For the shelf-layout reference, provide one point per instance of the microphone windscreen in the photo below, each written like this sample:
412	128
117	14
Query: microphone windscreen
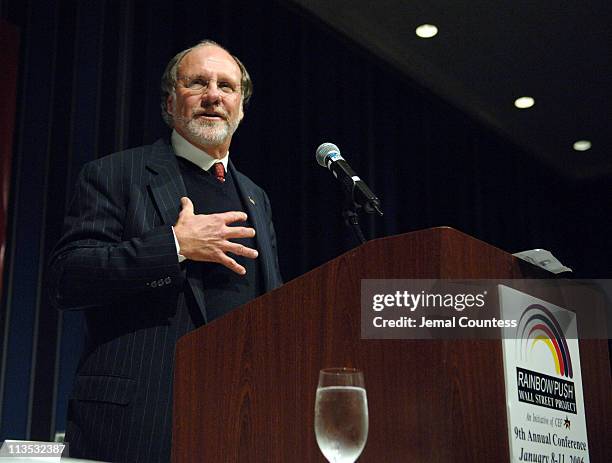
324	150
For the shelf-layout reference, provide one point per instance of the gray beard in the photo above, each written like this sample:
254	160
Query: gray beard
208	133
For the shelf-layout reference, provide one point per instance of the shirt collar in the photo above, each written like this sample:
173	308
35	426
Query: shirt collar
200	158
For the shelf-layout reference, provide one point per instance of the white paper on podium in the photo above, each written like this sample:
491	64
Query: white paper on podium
543	259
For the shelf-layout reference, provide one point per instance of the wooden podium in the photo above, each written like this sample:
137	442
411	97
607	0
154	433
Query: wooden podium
245	384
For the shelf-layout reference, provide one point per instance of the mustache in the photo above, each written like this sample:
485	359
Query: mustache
208	112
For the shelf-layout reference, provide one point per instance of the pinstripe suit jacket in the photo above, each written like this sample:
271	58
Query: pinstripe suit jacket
117	261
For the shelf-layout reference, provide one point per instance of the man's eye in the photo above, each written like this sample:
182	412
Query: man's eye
226	87
196	84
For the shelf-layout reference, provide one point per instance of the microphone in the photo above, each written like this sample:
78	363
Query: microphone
328	155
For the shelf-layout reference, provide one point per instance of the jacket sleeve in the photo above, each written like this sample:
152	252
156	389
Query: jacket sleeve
93	264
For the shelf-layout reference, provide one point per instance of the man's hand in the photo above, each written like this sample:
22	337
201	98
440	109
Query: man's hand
204	237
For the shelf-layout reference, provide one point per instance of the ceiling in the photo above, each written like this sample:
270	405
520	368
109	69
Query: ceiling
490	52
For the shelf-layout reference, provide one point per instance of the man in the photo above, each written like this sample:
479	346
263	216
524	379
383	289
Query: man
159	240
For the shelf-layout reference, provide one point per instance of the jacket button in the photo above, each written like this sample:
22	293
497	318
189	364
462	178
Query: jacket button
168	280
160	282
154	284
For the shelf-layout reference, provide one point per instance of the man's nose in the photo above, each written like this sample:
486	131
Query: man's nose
211	93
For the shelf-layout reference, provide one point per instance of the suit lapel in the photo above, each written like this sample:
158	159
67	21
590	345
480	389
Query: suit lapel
255	211
167	188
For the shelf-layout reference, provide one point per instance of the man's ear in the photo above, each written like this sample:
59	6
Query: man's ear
241	114
170	104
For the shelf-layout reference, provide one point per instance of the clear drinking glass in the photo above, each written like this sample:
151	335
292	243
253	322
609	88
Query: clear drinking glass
341	414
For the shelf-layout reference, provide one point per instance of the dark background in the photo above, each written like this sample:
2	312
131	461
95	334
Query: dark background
89	85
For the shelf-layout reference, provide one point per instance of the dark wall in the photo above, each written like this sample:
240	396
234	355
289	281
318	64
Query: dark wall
90	86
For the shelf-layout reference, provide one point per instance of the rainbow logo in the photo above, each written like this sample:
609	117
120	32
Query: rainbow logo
538	324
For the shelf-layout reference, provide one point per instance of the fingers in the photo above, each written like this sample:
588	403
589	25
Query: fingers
232	216
236	232
226	217
241	250
232	265
239	232
186	205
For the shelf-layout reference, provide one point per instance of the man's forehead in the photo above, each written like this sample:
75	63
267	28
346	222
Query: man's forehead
208	58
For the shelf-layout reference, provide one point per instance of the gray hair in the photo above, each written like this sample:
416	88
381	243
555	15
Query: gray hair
170	76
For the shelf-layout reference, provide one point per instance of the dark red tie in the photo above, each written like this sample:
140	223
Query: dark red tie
219	171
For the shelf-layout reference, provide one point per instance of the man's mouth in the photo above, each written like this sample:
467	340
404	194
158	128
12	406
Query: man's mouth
210	115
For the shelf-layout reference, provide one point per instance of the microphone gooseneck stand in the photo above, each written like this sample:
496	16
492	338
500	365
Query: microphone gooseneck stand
351	218
351	214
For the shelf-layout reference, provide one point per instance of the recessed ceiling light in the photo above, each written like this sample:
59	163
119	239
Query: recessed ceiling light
524	102
426	31
582	145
